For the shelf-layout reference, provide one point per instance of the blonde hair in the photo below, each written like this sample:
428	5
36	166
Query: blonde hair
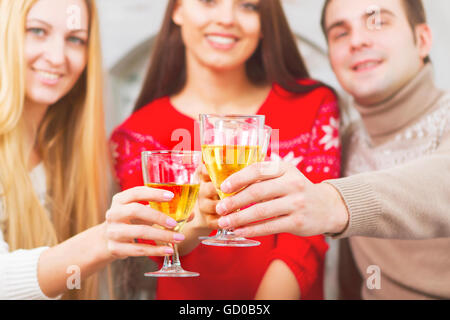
71	142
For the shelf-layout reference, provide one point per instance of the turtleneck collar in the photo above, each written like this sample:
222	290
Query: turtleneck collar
412	101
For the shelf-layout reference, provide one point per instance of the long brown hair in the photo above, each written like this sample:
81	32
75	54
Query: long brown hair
277	58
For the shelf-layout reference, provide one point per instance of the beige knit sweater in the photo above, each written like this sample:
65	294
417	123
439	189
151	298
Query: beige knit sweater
397	186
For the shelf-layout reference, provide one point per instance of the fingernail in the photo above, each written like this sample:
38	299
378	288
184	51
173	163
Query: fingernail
171	222
224	222
168	250
221	208
168	195
226	187
179	237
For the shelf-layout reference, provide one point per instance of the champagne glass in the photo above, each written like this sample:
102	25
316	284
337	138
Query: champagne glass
265	142
179	173
229	144
264	145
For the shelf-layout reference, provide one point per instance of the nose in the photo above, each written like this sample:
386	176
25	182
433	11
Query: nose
55	51
360	38
226	15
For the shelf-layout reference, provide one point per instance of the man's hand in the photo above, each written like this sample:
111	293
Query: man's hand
286	201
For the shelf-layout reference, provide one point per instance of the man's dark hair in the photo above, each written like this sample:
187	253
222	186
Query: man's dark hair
415	12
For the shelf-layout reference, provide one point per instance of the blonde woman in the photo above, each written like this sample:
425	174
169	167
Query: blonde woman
53	160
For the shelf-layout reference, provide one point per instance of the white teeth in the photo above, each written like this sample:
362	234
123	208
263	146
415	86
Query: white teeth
221	40
367	65
48	75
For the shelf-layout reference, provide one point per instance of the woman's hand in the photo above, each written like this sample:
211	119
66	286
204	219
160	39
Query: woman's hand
207	202
205	217
128	220
286	202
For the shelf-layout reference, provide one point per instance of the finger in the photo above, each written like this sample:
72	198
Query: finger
258	192
268	227
128	232
258	212
143	193
208	206
256	172
204	174
212	222
140	212
123	250
207	190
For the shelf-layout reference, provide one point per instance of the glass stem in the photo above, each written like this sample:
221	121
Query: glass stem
227	232
174	259
175	256
167	262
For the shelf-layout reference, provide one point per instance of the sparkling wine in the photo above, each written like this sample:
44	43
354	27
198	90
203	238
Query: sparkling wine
222	161
182	204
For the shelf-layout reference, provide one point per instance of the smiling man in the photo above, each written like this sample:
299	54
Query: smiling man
396	159
379	52
376	47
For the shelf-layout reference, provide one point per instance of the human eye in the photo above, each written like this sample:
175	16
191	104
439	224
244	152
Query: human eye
76	40
207	2
339	33
39	32
251	6
384	22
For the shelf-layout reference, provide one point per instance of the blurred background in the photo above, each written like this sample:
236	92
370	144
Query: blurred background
129	28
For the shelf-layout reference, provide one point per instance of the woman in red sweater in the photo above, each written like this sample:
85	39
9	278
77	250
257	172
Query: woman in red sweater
234	57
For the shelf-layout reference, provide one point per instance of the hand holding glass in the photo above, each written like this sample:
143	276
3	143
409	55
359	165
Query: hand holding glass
177	172
229	144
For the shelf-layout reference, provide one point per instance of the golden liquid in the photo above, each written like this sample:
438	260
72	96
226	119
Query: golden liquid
182	204
222	161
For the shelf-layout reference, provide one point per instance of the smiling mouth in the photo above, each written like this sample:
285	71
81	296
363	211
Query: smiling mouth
222	41
47	76
366	65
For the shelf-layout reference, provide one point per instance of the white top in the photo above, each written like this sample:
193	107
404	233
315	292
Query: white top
18	269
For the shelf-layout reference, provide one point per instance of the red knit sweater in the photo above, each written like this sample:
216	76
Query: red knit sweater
308	135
